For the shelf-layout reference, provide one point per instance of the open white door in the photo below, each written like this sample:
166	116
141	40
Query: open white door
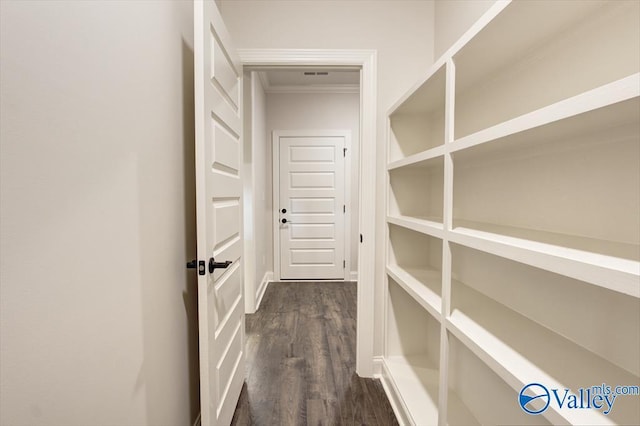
218	212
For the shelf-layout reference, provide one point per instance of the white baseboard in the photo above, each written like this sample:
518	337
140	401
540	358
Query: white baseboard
353	276
268	277
198	421
393	395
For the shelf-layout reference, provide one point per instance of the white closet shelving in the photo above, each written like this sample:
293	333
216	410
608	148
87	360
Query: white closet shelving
513	211
416	195
413	351
415	262
417	126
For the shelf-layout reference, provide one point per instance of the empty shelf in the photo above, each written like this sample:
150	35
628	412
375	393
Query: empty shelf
522	352
597	109
425	225
553	252
422	284
416	381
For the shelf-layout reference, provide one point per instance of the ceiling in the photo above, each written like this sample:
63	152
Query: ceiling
311	80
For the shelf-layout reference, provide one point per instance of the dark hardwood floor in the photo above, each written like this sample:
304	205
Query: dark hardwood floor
301	361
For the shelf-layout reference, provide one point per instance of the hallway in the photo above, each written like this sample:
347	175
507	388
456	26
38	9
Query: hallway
301	361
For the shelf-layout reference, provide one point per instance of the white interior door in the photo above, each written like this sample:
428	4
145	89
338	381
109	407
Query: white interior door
311	203
218	210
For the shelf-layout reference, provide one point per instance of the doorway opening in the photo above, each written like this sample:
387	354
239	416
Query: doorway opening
301	174
272	83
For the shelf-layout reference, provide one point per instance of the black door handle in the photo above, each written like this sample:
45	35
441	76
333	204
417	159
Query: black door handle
213	265
194	264
284	220
284	210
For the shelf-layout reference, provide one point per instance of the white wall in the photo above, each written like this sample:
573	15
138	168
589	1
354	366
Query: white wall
453	18
97	214
401	32
305	111
257	193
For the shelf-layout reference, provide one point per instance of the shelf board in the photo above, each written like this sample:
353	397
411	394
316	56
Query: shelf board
421	284
521	351
416	380
458	413
421	159
594	110
555	255
425	225
530	24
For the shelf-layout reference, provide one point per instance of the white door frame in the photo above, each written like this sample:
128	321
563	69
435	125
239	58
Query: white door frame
366	60
346	275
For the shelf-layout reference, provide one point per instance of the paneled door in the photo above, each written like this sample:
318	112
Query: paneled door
218	212
311	204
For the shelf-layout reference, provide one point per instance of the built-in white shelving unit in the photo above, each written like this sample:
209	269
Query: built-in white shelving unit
415	262
413	353
471	384
513	218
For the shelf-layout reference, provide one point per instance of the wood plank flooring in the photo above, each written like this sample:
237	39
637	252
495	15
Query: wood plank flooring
301	361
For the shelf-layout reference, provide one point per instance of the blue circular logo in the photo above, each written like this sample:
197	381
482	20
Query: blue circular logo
534	392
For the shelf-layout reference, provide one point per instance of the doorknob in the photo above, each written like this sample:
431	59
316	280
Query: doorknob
284	220
284	210
218	265
195	264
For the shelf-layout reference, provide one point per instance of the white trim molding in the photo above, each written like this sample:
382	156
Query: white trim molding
366	61
348	58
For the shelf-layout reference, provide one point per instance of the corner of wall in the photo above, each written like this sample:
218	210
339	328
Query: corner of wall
262	288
